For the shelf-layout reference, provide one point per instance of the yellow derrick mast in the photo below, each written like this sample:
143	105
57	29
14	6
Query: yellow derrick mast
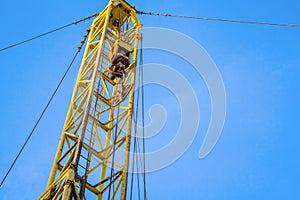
92	157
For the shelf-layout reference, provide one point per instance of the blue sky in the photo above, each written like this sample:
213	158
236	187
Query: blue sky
257	154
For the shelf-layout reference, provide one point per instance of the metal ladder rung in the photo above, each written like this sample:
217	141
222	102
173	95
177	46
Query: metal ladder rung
103	126
99	96
108	79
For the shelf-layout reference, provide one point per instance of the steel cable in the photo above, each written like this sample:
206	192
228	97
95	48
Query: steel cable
44	110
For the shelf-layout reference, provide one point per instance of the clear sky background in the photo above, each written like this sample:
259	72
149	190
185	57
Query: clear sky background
257	156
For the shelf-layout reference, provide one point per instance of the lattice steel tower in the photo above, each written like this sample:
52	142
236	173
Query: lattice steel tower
96	135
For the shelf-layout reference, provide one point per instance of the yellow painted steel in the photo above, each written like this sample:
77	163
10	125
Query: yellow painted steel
97	130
